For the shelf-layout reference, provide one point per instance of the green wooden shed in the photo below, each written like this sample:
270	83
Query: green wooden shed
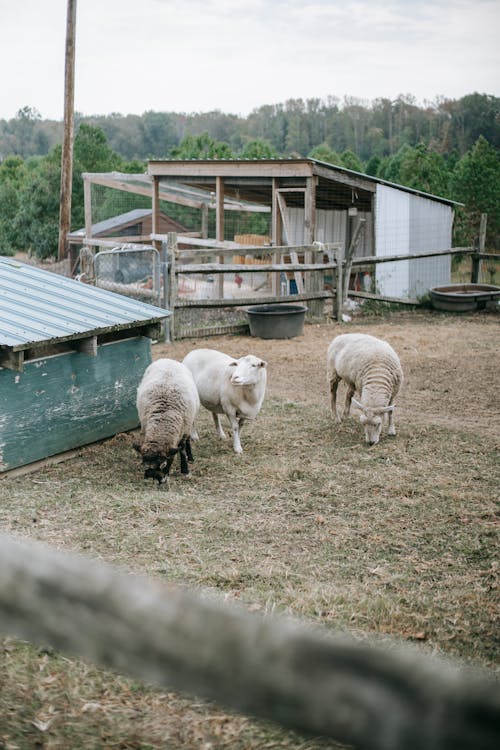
71	358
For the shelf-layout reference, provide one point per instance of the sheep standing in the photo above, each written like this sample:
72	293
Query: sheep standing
370	367
167	404
234	387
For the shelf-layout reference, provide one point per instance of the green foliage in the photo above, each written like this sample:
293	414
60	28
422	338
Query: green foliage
11	176
37	220
351	161
476	183
258	149
201	147
424	170
323	152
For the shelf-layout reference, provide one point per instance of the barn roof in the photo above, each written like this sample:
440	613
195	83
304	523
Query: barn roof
123	220
251	179
38	306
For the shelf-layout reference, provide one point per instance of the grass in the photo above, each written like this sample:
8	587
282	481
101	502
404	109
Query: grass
398	541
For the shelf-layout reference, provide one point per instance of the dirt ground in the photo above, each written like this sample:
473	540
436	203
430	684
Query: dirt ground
451	365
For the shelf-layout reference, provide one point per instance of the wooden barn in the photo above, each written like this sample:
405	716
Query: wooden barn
133	226
71	358
309	201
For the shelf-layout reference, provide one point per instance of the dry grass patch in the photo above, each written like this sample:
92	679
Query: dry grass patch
398	540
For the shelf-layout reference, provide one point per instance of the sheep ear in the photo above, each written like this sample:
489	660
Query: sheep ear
356	403
388	409
262	363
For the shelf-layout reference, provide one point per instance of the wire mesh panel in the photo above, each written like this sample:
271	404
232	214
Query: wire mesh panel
135	272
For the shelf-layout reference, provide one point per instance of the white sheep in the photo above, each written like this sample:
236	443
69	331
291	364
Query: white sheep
370	367
234	387
167	404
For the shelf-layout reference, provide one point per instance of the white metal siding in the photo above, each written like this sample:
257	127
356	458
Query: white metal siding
430	229
392	237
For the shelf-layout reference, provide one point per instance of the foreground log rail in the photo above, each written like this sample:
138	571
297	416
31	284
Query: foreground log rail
269	667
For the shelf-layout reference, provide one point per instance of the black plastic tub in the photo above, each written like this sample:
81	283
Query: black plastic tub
463	297
276	321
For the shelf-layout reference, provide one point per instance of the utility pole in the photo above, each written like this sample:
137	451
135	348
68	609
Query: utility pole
67	146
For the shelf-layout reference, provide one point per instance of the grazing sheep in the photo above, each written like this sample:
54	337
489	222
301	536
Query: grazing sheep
371	367
234	387
167	404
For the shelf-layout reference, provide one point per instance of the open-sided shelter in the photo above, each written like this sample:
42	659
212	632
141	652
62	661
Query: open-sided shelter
312	201
71	358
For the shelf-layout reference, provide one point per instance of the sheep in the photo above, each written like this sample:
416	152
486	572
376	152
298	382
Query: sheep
234	387
167	404
371	367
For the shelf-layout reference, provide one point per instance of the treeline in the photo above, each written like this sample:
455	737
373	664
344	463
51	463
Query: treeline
379	128
450	149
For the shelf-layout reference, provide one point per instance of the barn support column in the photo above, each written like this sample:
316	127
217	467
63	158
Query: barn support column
155	211
314	280
219	231
276	234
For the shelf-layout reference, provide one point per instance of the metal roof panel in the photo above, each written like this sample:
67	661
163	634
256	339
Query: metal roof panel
41	306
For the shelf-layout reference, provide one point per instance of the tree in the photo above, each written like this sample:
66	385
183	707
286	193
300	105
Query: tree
424	170
201	147
12	172
476	183
351	161
37	218
323	152
258	149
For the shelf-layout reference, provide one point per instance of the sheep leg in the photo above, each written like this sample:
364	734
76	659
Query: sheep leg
392	429
350	393
218	426
184	458
189	452
334	384
235	427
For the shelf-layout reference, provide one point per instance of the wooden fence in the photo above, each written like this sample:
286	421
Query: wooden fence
309	276
267	666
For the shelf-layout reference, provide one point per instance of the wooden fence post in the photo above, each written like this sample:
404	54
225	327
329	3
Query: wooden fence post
172	257
476	262
303	678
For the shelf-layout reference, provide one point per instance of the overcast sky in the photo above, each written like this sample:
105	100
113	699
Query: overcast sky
236	55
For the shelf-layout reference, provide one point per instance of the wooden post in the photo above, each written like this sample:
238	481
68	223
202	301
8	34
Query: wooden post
219	232
155	210
276	231
313	280
339	284
315	681
67	146
171	254
204	221
476	262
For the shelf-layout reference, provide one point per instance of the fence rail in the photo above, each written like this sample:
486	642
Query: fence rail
309	275
372	697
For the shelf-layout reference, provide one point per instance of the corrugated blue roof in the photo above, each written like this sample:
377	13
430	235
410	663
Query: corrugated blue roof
39	306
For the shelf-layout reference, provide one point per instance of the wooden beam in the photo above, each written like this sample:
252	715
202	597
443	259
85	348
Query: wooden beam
231	168
219	226
67	145
244	301
87	346
12	360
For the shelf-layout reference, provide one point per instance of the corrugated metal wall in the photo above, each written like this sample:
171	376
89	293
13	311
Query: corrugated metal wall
407	223
392	237
430	229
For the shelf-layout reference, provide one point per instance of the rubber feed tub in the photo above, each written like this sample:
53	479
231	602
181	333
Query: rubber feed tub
276	321
463	297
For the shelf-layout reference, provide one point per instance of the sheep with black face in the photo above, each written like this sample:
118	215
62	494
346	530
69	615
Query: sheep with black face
370	367
167	404
234	387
